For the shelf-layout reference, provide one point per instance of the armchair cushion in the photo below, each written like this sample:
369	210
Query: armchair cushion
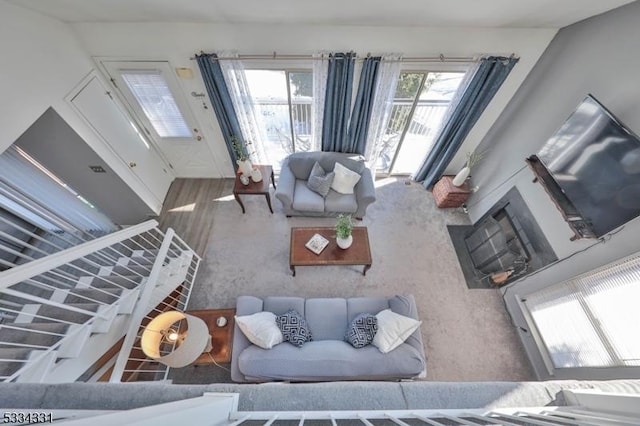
305	199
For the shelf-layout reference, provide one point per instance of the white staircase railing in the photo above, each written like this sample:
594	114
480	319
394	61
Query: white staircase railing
222	409
75	304
131	363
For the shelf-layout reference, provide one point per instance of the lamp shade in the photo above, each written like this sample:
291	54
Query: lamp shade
196	339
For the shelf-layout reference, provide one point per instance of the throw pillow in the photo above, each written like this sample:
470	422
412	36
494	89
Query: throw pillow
261	329
320	181
393	330
344	180
294	328
362	330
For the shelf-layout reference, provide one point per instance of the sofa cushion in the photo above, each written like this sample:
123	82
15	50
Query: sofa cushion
365	305
305	199
353	162
393	330
301	165
294	328
340	203
344	180
361	331
280	304
319	180
328	360
327	318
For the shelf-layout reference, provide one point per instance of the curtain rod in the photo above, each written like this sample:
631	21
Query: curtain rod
275	56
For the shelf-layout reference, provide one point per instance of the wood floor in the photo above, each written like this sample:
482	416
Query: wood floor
188	209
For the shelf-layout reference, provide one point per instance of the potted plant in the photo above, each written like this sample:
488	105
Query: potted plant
242	155
344	226
473	158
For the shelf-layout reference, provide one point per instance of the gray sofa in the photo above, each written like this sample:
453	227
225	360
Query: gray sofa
298	200
327	357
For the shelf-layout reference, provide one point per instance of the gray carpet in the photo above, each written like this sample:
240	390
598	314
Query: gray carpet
467	333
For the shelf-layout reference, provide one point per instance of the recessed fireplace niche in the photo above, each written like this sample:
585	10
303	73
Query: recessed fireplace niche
504	245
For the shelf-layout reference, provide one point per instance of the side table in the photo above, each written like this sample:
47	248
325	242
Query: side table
255	188
221	337
448	195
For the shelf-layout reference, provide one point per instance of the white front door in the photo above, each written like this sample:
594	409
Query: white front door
96	104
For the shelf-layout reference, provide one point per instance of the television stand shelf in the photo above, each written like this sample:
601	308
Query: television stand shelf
578	224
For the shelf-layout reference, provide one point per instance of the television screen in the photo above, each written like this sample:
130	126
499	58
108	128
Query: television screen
595	160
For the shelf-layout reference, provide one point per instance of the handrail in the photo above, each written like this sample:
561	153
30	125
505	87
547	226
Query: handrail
141	308
28	270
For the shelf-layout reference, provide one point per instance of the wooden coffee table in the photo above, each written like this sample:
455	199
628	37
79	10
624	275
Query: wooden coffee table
358	254
221	337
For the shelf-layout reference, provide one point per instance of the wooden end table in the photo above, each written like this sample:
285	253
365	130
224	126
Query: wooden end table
255	188
221	337
358	254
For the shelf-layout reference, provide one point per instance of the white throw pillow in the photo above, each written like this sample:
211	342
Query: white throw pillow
393	330
344	179
261	329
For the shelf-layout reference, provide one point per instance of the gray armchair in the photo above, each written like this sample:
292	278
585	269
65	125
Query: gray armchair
298	200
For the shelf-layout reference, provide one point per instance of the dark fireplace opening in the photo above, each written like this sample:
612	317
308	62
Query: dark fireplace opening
504	245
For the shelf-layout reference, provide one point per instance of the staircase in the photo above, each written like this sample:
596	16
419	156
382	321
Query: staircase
60	313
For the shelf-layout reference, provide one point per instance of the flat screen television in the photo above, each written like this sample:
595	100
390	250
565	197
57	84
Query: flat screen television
595	161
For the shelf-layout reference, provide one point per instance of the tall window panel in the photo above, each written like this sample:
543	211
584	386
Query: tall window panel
591	320
420	102
283	99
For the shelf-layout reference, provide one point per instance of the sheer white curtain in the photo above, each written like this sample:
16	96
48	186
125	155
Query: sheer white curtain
386	84
251	123
320	72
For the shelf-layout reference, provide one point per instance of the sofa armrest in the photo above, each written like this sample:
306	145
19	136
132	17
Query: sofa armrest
286	186
365	192
245	305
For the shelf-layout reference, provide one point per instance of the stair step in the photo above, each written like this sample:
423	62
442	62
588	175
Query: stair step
72	347
125	270
28	334
137	260
77	295
129	282
7	368
56	313
104	325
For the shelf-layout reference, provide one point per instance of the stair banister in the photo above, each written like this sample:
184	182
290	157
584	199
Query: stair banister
39	266
141	308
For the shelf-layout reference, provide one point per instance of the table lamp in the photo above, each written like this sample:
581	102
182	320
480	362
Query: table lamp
187	344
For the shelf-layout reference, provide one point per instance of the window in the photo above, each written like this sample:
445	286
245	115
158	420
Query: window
154	96
591	320
420	102
155	100
283	99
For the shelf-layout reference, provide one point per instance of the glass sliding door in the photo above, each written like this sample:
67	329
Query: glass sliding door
421	100
282	100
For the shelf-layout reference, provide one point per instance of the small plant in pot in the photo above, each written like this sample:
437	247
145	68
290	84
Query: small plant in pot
344	226
242	155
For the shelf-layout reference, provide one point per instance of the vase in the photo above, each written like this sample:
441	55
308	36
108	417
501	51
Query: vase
245	166
461	176
256	175
344	243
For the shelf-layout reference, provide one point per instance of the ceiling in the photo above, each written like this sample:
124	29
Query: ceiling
428	13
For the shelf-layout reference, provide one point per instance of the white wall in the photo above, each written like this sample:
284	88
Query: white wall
178	42
41	61
594	56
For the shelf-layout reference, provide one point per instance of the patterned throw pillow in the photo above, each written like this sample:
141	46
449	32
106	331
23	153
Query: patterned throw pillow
294	328
362	330
320	181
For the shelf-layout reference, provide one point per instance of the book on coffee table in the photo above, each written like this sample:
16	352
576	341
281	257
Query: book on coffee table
317	243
